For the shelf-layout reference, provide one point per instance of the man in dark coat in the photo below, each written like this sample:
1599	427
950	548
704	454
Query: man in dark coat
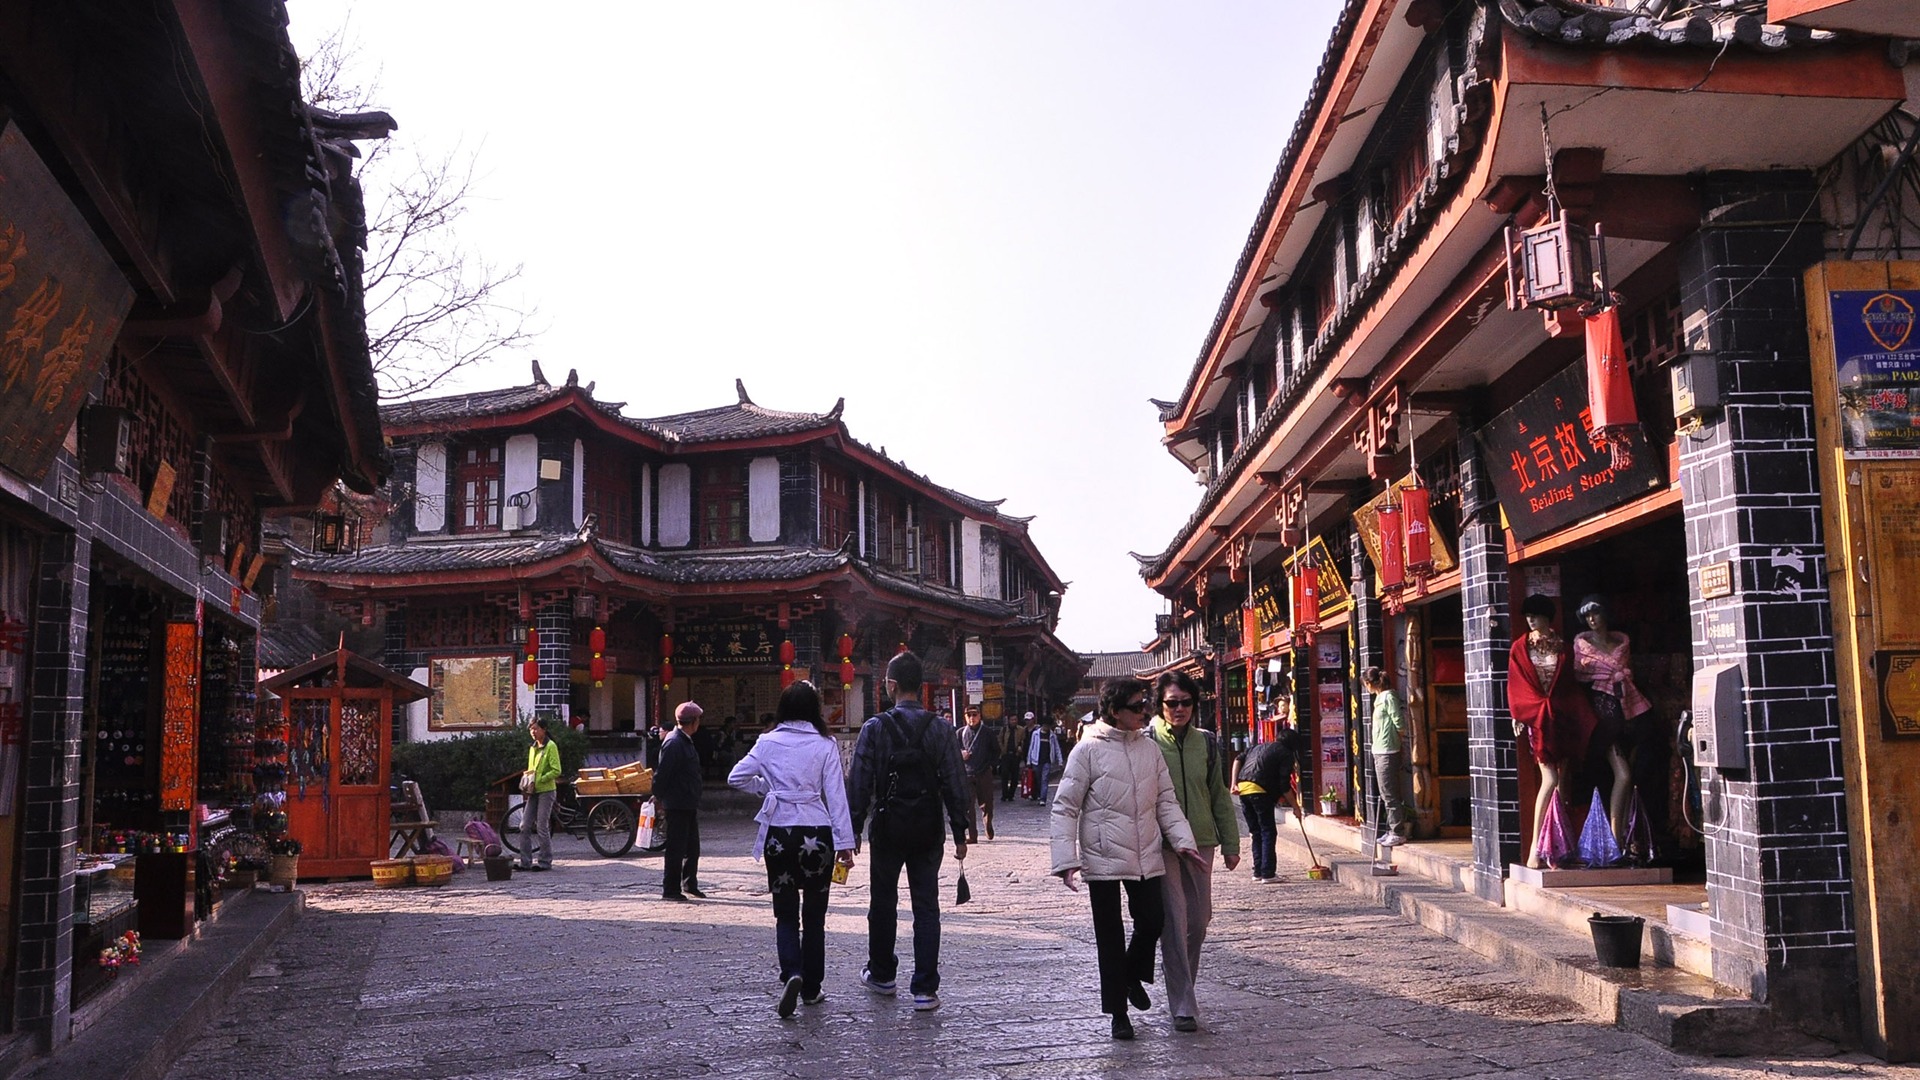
676	787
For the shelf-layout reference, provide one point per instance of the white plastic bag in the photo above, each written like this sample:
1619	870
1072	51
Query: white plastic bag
643	836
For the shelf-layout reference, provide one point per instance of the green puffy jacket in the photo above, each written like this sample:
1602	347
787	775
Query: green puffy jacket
1200	782
544	763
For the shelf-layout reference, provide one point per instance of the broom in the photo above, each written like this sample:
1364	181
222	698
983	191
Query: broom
1315	872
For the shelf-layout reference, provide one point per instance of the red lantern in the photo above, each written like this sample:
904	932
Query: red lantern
597	667
1610	387
666	670
1306	599
666	646
533	641
786	678
530	672
846	646
1415	507
1393	571
597	641
786	652
846	674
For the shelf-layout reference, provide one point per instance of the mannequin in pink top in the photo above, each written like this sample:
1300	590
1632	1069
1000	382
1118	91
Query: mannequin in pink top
1602	658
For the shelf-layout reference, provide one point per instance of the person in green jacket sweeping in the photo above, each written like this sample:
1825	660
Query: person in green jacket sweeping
1389	754
1200	782
543	761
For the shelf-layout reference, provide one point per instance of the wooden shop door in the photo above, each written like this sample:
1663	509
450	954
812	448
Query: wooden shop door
337	801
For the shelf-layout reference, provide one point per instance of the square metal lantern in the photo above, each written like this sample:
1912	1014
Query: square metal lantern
1552	266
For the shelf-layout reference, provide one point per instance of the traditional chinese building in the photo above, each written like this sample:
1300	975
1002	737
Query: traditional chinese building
182	346
1525	312
551	555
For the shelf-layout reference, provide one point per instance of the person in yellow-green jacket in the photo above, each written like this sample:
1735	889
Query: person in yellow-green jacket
1388	750
543	761
1200	782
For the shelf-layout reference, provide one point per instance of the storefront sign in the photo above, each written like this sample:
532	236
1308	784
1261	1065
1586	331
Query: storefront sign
1334	596
1723	627
1716	581
1878	358
1269	613
1546	469
1891	494
709	644
62	300
1899	694
1366	522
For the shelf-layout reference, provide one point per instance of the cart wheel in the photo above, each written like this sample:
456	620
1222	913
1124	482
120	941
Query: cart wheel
510	827
611	827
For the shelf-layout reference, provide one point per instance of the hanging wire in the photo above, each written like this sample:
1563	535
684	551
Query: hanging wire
1546	142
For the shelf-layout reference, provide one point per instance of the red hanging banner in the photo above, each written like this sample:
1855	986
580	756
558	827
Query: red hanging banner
1306	600
1417	514
1393	570
1610	386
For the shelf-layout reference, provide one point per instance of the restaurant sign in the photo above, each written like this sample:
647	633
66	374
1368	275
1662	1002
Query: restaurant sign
61	303
1547	470
728	643
1878	355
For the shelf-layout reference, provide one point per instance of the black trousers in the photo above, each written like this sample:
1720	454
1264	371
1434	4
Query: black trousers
1124	962
683	852
799	873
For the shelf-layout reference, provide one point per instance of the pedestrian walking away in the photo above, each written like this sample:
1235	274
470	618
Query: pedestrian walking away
1263	778
1043	753
804	829
1200	776
1115	811
536	824
676	788
1012	757
1394	823
907	771
980	754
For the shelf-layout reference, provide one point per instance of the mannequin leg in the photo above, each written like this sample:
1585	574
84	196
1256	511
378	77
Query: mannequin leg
1619	806
1549	790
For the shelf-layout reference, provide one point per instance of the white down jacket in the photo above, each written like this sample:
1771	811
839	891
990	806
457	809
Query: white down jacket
1113	805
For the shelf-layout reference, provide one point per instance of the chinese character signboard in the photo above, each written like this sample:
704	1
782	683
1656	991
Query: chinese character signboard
1547	470
1270	614
1878	357
61	304
727	643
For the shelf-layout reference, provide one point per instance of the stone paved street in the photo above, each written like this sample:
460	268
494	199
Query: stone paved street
586	972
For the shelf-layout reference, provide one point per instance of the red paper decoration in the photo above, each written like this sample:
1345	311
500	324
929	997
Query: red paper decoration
533	641
597	667
1306	599
1393	571
666	670
786	677
666	646
786	652
597	640
846	674
530	673
1610	386
1415	508
846	646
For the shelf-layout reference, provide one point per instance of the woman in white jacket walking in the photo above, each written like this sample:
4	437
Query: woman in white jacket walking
1115	805
804	829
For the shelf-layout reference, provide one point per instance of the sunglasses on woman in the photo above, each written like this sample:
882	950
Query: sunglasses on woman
1177	702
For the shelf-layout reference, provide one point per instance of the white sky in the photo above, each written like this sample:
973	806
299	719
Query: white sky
995	227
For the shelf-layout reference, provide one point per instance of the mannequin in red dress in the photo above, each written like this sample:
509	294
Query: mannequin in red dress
1549	707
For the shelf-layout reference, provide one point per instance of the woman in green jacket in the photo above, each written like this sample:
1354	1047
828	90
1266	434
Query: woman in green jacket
543	761
1200	782
1388	749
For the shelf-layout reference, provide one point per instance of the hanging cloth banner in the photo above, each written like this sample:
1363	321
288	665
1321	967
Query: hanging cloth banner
1393	568
1416	510
1610	387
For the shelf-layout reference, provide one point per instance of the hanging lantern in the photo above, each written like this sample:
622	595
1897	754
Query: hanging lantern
1610	387
786	653
597	640
846	646
1417	522
533	641
666	670
1393	569
846	674
786	677
530	672
597	667
666	646
1306	599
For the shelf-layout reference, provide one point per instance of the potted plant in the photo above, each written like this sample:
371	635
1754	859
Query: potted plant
243	872
1330	801
283	861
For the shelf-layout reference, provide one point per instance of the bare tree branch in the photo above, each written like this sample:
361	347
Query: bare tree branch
433	305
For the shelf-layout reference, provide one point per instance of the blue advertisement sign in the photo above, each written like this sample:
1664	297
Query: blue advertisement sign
1878	354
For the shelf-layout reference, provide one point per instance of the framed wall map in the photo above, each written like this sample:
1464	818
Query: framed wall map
470	693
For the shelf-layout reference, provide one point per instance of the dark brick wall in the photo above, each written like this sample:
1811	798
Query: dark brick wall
1487	634
1369	650
1777	848
799	498
50	831
554	690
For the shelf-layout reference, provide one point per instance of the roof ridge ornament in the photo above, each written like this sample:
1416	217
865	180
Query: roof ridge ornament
540	377
740	387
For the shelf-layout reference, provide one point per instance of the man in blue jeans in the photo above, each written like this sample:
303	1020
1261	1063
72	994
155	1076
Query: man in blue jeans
907	771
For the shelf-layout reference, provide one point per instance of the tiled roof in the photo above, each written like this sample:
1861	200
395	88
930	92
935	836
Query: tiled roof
490	554
468	406
694	567
1112	665
742	421
286	643
1575	22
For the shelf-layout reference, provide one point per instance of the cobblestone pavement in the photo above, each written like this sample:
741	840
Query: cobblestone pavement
586	972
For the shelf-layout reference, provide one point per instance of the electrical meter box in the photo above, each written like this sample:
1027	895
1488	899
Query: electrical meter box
1719	718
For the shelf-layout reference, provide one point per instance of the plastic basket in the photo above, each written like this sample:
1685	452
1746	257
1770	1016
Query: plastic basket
392	873
433	869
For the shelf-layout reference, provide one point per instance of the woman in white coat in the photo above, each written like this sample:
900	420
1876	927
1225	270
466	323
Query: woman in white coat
804	829
1115	806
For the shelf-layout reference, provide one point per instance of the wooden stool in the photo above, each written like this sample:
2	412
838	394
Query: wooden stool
470	848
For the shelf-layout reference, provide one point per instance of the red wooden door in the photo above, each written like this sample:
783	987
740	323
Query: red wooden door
339	760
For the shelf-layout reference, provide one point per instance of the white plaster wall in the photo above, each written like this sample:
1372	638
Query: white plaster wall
676	505
970	557
430	487
990	564
763	499
522	473
579	483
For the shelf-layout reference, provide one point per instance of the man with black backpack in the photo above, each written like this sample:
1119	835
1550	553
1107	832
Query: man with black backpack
907	771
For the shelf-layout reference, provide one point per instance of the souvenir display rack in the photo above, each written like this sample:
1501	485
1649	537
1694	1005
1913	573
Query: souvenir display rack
122	725
227	776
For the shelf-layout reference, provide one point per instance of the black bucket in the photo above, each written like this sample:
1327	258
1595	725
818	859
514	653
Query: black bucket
1616	939
499	868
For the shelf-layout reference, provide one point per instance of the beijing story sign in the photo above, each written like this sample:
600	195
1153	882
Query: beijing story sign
1546	469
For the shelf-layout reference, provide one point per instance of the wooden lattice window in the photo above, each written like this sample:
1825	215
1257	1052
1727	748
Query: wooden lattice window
723	504
836	508
609	493
479	474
